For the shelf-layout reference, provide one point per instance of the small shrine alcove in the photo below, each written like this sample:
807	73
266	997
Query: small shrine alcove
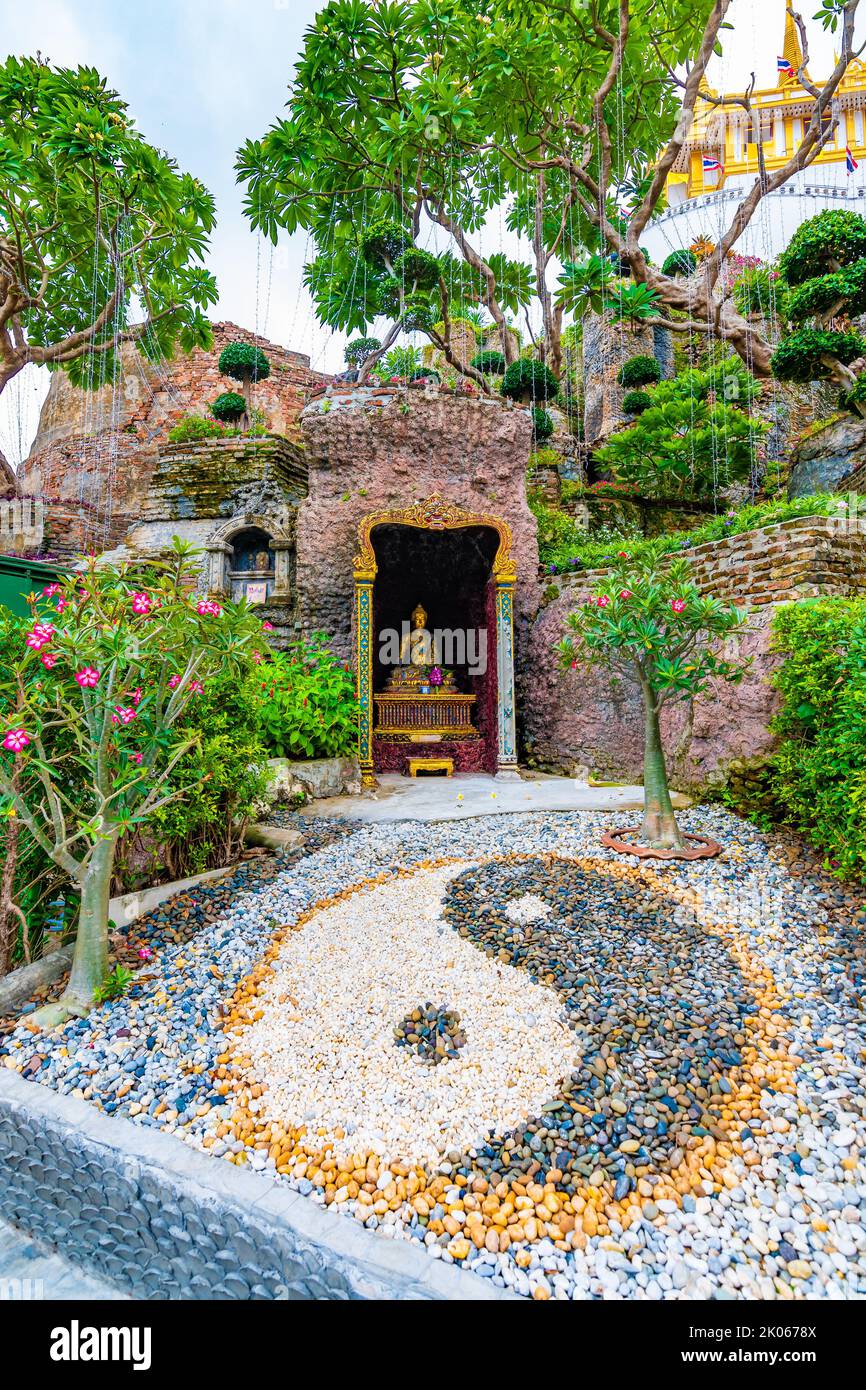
434	591
250	557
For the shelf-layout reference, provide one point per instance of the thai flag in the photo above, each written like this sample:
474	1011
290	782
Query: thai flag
850	161
784	67
711	166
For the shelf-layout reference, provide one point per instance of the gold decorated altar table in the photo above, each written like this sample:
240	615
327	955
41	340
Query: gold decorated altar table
415	716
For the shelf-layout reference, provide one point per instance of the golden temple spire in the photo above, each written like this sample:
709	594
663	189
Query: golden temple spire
791	47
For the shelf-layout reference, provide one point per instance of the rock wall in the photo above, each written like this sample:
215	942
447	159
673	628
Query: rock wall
827	460
586	719
606	346
393	448
94	456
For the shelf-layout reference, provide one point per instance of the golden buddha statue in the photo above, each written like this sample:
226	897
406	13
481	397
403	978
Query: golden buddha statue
417	661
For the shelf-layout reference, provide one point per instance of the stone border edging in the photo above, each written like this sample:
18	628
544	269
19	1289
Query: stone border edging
161	1220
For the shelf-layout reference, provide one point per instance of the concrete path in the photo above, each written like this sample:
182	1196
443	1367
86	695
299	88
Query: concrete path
31	1272
476	794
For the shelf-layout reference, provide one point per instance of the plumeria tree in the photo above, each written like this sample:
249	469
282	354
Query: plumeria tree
89	706
649	621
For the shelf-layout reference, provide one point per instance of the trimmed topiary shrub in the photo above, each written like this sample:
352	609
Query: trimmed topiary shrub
683	262
542	424
529	378
359	349
490	361
229	406
417	268
384	241
245	362
822	245
634	402
639	371
801	356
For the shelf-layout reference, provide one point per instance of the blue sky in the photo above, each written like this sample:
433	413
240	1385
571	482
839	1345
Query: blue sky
200	76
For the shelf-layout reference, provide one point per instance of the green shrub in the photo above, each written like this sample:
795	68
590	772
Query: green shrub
229	406
683	262
529	377
306	704
227	771
490	361
193	427
633	402
639	371
542	424
818	772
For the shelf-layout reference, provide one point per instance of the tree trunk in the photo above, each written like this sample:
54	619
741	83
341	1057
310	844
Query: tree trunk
8	923
246	382
90	960
659	828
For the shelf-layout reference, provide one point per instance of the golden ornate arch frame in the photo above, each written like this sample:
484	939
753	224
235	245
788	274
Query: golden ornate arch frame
436	514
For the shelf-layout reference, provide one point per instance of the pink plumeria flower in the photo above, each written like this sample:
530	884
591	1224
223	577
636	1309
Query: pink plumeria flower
195	687
208	607
625	593
258	658
145	953
602	601
136	758
141	603
678	605
39	637
48	660
87	678
125	714
136	694
50	590
16	740
174	682
61	604
268	627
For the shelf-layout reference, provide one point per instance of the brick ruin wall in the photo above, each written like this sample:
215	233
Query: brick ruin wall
586	720
95	454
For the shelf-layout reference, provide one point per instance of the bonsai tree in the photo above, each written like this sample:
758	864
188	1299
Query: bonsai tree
246	363
635	402
102	237
359	349
824	268
692	436
91	701
228	407
649	621
529	380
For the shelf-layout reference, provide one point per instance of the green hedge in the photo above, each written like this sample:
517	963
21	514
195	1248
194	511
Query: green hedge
818	774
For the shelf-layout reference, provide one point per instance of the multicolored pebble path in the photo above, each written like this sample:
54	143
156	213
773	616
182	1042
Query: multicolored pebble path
657	1090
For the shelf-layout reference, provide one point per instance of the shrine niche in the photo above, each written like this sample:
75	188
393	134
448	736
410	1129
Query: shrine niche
251	558
434	596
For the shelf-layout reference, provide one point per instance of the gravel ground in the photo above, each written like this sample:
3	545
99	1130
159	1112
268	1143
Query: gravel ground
706	1141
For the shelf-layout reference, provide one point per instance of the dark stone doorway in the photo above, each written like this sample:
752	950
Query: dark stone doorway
449	573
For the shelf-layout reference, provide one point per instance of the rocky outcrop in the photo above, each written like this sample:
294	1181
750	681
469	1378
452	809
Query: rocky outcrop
8	486
827	458
606	346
